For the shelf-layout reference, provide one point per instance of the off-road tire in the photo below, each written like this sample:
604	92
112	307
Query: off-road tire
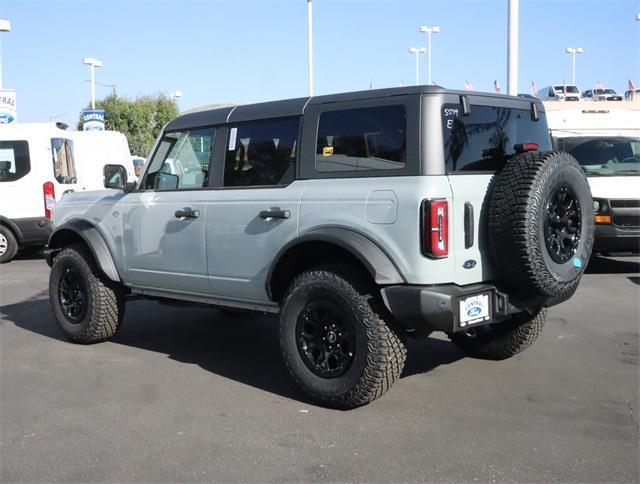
518	206
500	341
104	298
379	353
10	243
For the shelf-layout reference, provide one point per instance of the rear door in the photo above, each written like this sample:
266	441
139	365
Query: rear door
164	222
476	146
255	211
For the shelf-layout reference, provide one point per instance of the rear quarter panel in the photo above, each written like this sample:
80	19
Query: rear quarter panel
387	211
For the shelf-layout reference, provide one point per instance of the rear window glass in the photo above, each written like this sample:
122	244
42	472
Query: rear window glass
14	160
64	167
484	139
363	139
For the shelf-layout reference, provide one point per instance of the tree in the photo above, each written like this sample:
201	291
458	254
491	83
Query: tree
140	119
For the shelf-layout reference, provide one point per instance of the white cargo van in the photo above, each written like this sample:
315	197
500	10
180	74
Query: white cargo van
560	92
606	142
93	150
37	167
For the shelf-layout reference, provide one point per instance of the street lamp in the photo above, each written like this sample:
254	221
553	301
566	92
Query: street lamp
417	51
429	30
92	63
176	94
573	51
638	17
310	45
5	26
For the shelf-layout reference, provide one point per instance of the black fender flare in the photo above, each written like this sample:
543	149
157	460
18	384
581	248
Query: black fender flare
94	240
374	259
14	228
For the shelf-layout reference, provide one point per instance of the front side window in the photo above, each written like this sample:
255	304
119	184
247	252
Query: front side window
14	160
487	137
261	153
181	161
362	139
64	167
603	155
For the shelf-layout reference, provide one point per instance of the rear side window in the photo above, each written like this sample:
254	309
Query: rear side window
261	153
363	139
484	139
64	167
14	160
182	160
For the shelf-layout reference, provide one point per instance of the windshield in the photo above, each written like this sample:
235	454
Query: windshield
569	89
603	156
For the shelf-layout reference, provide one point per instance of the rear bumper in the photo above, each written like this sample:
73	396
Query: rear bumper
610	239
436	308
33	230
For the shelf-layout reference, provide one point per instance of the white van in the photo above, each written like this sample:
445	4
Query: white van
606	142
560	92
37	167
93	150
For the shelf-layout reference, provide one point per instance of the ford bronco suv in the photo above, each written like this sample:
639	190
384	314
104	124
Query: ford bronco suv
360	219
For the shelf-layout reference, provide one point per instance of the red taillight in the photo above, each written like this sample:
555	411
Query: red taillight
49	194
435	228
524	147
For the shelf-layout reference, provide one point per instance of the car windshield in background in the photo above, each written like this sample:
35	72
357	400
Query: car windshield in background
568	89
603	156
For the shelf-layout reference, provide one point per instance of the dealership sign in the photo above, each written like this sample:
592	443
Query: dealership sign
93	120
7	106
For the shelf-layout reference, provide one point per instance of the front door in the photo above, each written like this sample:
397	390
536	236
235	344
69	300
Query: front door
164	222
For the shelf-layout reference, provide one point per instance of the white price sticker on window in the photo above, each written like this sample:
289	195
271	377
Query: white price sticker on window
232	138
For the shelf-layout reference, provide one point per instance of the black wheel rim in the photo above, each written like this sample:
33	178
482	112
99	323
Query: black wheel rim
72	296
325	339
562	224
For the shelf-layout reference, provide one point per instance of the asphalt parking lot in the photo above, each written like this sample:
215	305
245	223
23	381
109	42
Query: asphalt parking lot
187	394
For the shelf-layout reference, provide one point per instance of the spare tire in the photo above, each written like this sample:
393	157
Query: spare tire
541	225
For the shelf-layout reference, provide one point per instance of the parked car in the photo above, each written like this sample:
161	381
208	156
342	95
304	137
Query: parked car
37	167
601	95
606	143
559	92
360	219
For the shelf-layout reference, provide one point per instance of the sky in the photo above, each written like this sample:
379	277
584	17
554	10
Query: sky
250	51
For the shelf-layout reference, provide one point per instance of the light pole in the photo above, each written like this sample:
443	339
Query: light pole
176	95
92	63
638	17
5	26
573	51
417	51
512	48
310	45
429	30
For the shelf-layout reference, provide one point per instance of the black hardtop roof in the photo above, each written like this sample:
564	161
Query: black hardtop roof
295	107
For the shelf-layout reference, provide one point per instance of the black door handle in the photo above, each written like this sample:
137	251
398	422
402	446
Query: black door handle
275	214
187	212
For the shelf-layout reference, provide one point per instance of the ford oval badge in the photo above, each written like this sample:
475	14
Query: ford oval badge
469	264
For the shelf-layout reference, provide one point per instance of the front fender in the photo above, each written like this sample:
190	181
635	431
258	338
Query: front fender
92	238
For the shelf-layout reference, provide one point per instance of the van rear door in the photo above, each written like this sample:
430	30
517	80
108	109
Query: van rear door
477	145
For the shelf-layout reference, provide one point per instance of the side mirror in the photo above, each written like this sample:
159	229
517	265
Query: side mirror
115	176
